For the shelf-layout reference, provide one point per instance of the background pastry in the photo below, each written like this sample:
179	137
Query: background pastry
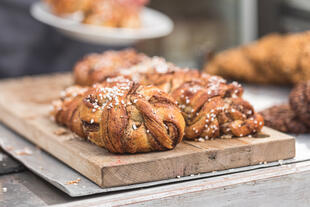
275	59
293	117
284	119
63	7
300	101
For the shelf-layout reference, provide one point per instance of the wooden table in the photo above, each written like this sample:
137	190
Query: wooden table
285	185
288	185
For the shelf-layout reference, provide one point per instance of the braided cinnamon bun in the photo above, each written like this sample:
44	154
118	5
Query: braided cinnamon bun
211	107
123	116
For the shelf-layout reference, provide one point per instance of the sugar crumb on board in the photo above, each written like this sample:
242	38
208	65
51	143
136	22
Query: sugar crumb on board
23	152
74	182
60	131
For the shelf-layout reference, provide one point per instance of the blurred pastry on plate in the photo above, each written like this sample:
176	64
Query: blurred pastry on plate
64	7
115	13
273	59
108	13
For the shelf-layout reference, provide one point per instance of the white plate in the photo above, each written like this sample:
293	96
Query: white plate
154	25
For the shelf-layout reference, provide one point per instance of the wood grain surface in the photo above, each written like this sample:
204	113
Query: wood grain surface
25	105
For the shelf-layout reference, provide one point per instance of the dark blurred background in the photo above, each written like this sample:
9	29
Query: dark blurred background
201	26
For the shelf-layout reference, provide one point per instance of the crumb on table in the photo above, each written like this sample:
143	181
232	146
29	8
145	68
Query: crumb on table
60	131
75	182
23	152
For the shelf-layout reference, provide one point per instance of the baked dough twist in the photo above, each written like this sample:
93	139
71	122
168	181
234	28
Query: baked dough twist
210	106
123	116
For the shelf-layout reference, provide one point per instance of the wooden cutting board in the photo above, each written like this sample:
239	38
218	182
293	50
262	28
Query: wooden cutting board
25	105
